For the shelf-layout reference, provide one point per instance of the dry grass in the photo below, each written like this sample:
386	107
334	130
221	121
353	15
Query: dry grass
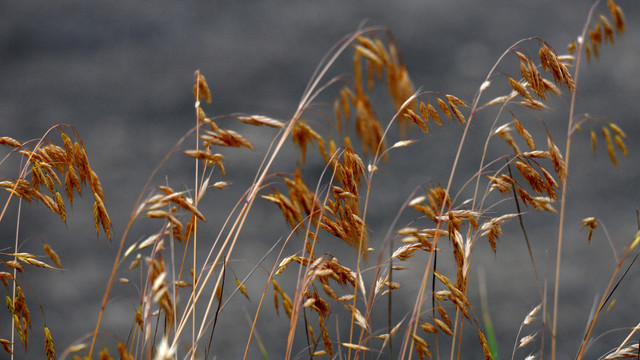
182	296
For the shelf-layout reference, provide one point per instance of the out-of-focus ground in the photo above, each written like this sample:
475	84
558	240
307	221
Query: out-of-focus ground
121	73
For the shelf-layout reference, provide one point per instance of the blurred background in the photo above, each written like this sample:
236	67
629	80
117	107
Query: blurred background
121	73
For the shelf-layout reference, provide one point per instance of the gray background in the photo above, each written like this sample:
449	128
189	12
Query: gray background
121	73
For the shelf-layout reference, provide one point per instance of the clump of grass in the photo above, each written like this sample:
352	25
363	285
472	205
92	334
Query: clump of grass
182	297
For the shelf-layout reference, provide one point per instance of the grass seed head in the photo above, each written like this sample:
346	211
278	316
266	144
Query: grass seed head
49	349
444	108
200	88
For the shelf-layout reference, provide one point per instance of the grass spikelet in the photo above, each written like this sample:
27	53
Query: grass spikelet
551	184
225	137
428	328
29	260
48	344
200	88
37	176
501	183
5	276
534	104
20	304
546	57
382	51
531	176
261	120
6	345
504	132
325	337
398	81
373	71
105	355
368	54
572	48
628	352
636	241
346	96
60	207
53	256
617	130
444	108
71	182
402	143
536	154
220	184
96	185
492	229
531	316
421	346
589	222
424	112
499	100
543	203
355	347
524	195
595	35
485	345
210	158
454	104
75	348
520	89
524	133
550	86
458	114
5	140
291	214
68	148
387	337
82	162
13	264
443	326
534	79
21	334
434	114
455	101
242	288
123	353
617	15
550	62
607	139
371	45
100	217
337	114
406	252
359	318
202	116
302	135
413	117
620	144
558	162
47	201
368	127
22	189
21	315
526	340
444	316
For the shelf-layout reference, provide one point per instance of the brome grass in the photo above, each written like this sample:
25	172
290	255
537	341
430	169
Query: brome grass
338	304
